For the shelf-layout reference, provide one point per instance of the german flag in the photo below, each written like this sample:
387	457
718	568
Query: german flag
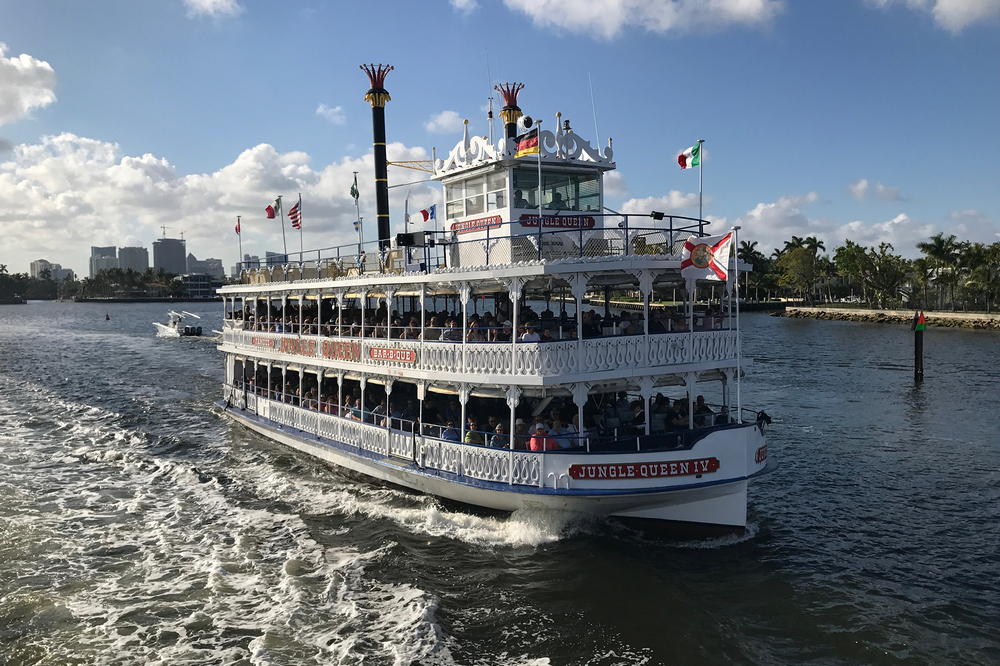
527	143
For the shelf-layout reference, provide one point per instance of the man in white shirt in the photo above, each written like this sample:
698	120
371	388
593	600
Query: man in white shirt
531	333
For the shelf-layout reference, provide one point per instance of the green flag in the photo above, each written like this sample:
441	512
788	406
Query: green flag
354	189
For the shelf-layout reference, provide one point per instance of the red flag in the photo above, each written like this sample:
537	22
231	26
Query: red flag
237	226
295	215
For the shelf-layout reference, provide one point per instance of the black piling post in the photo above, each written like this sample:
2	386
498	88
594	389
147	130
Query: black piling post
919	326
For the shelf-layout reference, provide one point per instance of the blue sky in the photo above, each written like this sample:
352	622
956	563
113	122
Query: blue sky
868	119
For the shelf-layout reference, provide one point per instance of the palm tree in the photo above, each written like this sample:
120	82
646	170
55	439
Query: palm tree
943	252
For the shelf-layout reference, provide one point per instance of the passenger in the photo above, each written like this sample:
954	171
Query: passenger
530	335
472	434
561	434
723	417
701	411
454	411
500	439
433	330
541	441
475	334
503	334
546	335
450	432
520	201
578	432
678	416
638	418
520	435
493	422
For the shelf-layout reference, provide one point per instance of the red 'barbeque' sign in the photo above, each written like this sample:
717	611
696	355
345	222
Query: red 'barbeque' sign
654	470
387	354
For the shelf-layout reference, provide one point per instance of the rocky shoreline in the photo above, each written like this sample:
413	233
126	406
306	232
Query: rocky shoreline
937	319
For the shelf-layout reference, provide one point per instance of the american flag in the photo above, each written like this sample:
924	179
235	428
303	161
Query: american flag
295	215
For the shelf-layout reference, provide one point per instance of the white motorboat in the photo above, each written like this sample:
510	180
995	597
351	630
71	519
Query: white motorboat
175	326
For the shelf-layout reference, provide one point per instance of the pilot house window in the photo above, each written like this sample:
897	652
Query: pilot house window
476	195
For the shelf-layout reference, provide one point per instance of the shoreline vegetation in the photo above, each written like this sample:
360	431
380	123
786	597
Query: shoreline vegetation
975	320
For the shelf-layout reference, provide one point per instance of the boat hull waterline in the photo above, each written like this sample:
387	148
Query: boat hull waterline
716	499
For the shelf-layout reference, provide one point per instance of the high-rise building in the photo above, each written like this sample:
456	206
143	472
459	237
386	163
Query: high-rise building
56	271
170	255
249	261
136	258
211	267
102	258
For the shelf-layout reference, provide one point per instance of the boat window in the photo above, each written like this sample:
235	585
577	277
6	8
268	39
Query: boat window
454	200
560	191
474	201
496	191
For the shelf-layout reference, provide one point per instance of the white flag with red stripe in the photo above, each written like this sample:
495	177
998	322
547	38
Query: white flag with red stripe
295	215
706	258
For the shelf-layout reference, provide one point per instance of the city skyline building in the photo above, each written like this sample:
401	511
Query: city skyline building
212	267
170	254
136	258
102	258
56	271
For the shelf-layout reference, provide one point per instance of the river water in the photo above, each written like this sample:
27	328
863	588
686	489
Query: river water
139	527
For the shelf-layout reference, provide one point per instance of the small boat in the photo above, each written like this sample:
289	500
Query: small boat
175	327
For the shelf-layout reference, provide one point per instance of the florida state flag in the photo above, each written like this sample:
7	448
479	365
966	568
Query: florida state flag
707	257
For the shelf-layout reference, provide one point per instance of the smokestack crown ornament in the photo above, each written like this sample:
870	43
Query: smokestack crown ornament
510	111
377	96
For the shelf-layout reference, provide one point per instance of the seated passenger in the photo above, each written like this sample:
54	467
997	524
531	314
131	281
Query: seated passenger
546	335
520	201
450	432
541	441
701	410
500	439
530	334
678	416
472	434
639	418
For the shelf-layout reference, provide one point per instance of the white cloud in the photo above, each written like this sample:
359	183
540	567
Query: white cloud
887	193
25	84
952	15
335	115
614	184
676	202
858	189
213	8
66	193
444	122
974	226
465	6
607	18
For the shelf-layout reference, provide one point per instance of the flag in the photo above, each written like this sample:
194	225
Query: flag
429	213
527	143
706	258
295	216
354	189
274	210
237	226
691	157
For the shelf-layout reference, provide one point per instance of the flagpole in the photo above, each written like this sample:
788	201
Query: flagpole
301	250
538	131
701	189
239	234
357	208
284	243
739	355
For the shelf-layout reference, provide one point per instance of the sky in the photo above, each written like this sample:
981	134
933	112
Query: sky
874	120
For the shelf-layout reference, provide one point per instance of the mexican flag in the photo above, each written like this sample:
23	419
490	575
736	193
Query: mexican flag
691	157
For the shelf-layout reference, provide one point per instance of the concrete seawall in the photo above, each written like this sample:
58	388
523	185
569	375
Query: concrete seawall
939	319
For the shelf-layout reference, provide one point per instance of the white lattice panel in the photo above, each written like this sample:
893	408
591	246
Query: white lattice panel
485	464
527	468
401	445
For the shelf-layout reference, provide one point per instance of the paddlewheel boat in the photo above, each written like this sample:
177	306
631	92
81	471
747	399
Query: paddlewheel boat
435	361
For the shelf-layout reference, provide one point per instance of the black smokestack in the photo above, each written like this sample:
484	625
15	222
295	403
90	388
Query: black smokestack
377	95
510	111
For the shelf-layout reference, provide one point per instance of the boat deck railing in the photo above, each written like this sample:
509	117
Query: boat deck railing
403	439
564	236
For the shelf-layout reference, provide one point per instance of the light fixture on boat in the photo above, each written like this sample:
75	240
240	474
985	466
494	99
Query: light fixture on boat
656	215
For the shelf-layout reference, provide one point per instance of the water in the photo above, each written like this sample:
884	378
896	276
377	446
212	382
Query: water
137	526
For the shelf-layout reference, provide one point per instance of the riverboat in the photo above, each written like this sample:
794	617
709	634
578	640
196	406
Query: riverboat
389	358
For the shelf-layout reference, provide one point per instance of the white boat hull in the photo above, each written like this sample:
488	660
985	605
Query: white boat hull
719	503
